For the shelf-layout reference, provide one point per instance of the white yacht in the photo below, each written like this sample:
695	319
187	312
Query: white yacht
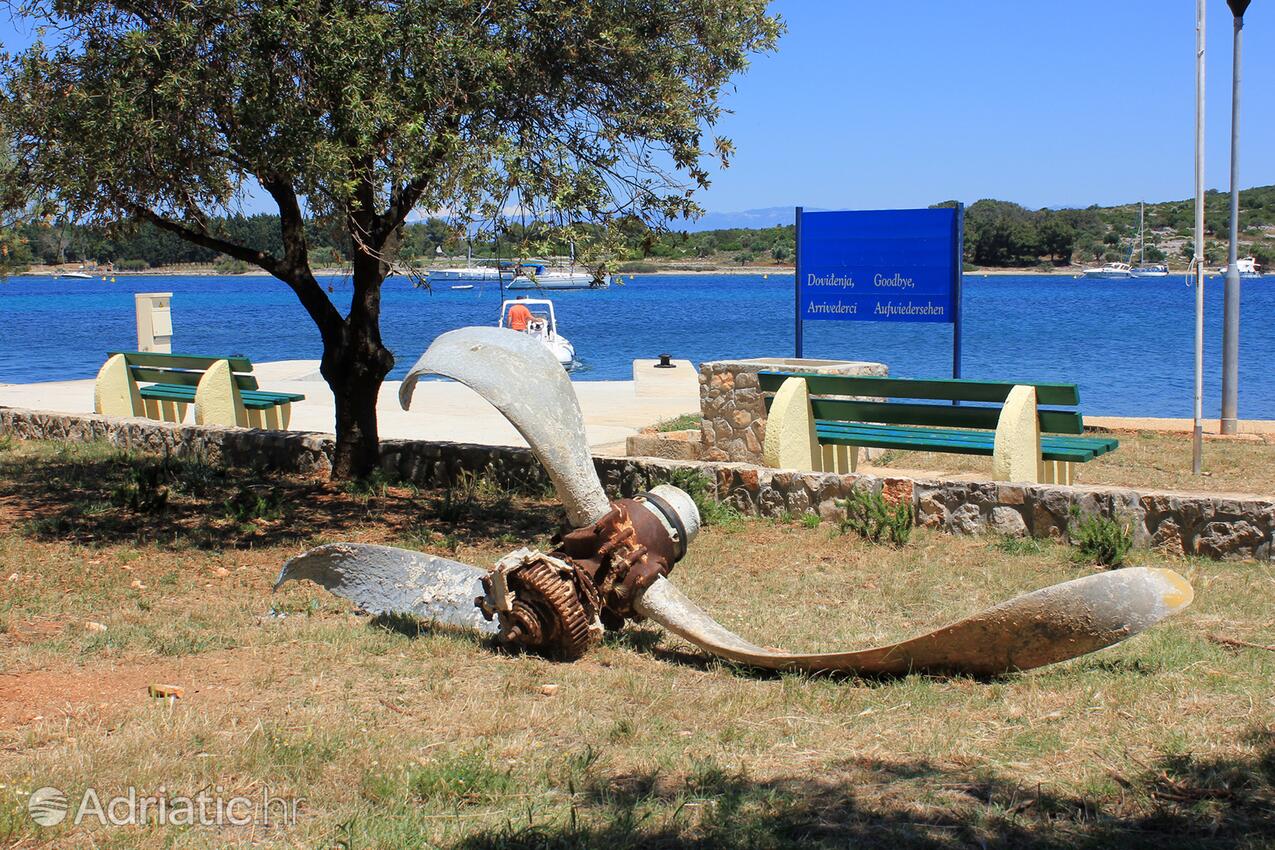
1109	271
542	327
465	274
536	277
1246	266
1142	269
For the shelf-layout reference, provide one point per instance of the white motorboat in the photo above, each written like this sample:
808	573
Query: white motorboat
541	326
1109	271
75	275
1247	267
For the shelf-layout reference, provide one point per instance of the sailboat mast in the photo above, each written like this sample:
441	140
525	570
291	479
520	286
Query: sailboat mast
1142	231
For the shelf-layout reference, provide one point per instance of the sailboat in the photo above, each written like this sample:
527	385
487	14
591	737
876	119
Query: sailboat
540	278
468	274
1142	269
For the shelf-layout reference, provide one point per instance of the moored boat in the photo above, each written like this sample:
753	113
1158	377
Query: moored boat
1109	271
1246	266
541	279
539	324
1150	271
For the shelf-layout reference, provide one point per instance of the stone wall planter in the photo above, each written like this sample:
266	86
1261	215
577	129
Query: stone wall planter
733	410
1213	526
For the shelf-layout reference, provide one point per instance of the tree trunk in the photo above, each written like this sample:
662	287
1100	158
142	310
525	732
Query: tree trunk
355	368
355	363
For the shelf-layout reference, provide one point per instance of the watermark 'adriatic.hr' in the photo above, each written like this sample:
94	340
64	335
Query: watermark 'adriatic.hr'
50	806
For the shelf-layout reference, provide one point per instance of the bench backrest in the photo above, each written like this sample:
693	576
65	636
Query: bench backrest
933	415
153	367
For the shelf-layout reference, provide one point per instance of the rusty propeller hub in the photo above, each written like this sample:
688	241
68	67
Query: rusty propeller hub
559	603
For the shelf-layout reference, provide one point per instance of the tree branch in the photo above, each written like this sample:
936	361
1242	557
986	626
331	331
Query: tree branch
262	259
299	279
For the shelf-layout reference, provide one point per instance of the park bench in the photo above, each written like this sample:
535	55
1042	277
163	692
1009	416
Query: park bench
162	386
817	422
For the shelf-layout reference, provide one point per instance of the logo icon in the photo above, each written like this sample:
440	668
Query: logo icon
47	806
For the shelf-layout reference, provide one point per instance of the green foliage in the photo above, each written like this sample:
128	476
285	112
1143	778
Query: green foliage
145	490
810	520
229	265
375	483
131	265
684	422
870	516
459	780
253	503
1020	545
1102	540
703	492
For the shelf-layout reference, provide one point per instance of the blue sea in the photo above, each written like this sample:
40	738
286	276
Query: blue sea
1127	343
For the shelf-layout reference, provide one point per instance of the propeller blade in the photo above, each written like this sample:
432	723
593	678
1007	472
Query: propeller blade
522	380
386	580
1043	627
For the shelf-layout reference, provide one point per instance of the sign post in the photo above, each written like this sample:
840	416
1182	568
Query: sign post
881	266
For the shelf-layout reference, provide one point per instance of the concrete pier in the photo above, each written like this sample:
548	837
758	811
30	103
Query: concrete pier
441	410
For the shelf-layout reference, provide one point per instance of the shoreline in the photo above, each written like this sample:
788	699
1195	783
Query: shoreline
209	271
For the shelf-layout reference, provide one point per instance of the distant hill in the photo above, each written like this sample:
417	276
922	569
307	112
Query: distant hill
998	234
1004	234
746	220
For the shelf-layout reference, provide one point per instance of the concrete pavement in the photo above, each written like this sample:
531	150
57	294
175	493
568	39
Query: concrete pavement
441	410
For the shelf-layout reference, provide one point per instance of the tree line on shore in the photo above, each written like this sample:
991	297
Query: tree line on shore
997	234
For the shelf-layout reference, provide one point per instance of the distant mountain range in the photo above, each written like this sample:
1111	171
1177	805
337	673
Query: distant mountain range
753	219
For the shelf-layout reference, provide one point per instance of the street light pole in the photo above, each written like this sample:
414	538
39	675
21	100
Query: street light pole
1231	299
1197	448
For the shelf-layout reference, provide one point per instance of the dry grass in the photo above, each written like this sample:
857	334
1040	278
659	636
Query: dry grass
1146	459
401	736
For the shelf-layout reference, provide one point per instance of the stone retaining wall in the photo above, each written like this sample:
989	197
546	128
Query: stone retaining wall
1195	523
733	410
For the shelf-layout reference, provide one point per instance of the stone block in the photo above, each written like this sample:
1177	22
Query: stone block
897	490
1011	494
966	519
1007	521
1229	539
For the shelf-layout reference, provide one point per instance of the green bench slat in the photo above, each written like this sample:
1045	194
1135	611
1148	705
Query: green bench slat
974	442
904	413
937	389
172	376
919	440
1099	445
254	400
238	363
277	398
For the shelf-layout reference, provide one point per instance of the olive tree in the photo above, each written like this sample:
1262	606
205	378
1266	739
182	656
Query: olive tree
361	112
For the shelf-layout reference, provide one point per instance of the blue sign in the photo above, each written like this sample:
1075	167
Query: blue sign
879	265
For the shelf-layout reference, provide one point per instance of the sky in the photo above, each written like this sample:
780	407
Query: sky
894	104
897	104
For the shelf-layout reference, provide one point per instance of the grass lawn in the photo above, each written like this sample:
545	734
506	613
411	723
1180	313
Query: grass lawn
397	735
1146	459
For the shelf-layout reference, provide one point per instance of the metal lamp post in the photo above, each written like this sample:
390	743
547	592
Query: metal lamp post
1197	442
1231	300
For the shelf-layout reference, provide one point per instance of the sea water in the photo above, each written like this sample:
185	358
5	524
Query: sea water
1128	343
